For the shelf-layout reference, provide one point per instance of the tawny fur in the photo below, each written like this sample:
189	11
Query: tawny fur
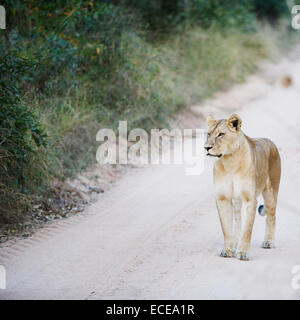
286	81
245	169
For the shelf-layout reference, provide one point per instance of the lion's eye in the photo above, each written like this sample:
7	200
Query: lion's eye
208	134
221	134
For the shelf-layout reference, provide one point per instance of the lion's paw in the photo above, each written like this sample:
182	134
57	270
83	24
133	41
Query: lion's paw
268	244
226	253
242	256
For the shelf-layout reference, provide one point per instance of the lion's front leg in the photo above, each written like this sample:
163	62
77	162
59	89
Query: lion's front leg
224	206
248	216
237	204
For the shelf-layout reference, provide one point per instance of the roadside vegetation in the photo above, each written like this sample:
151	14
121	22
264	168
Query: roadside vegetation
68	68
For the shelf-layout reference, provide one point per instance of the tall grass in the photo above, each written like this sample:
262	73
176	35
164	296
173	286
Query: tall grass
200	62
151	83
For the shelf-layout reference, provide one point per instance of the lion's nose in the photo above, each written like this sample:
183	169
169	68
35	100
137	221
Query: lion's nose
207	148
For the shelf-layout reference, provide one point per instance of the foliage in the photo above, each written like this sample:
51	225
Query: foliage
270	9
164	15
21	134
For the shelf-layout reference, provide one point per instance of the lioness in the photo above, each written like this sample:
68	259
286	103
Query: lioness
245	168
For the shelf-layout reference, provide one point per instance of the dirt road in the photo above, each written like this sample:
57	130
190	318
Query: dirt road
156	234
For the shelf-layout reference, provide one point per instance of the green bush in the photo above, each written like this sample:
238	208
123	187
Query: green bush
165	16
270	9
21	135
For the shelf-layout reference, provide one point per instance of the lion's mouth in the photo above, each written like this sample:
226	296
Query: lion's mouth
214	155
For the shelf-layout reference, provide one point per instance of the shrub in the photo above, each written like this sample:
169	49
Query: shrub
164	16
21	136
270	9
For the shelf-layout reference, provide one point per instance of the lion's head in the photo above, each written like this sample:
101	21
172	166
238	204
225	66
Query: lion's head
223	136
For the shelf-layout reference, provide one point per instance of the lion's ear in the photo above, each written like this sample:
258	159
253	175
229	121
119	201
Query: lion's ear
210	120
234	122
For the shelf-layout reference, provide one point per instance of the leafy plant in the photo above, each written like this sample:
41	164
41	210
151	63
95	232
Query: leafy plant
21	134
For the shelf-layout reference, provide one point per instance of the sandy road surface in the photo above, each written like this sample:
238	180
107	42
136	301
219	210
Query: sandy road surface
156	233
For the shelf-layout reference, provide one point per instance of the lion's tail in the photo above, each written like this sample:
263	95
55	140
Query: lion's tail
261	210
